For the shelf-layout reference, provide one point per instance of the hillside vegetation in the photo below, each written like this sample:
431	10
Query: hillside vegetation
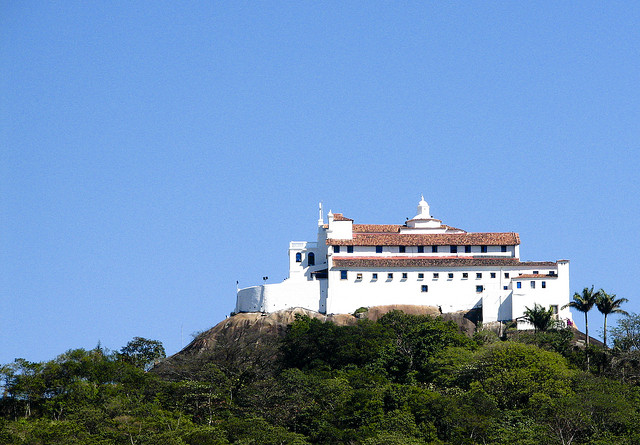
395	379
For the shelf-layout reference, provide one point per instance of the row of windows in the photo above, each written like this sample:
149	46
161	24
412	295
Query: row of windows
425	288
543	284
405	275
436	275
434	249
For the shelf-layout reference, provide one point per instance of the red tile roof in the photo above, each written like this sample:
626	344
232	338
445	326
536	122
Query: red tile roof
388	228
397	261
339	217
535	275
376	228
452	228
435	239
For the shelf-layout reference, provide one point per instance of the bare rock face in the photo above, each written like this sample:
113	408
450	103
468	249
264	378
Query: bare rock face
374	313
466	320
256	327
249	342
246	325
245	342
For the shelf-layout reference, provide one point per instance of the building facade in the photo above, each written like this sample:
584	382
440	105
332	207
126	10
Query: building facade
422	262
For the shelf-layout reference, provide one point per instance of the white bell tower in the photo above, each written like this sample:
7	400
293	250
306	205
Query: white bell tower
423	210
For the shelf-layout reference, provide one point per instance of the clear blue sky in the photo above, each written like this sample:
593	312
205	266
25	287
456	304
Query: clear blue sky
152	153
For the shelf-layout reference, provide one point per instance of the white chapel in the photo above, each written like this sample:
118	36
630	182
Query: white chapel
422	262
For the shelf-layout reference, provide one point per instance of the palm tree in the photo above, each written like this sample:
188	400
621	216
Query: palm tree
541	318
608	304
584	303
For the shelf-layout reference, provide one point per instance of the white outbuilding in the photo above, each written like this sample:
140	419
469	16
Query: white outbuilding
422	262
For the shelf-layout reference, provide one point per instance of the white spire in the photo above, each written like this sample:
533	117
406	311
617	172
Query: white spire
320	216
423	209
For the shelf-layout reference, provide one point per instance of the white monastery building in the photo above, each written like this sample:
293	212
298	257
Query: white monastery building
423	262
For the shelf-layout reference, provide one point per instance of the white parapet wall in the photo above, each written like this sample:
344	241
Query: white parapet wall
276	297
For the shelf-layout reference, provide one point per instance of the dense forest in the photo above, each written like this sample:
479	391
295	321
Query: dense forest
403	379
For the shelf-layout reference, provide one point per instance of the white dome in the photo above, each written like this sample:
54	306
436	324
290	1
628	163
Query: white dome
423	210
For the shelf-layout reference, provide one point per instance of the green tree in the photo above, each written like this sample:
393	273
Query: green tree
142	352
626	333
609	304
417	340
625	360
313	344
542	319
583	303
512	372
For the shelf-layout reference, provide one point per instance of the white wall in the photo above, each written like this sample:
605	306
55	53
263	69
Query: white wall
556	293
276	297
451	294
345	296
340	229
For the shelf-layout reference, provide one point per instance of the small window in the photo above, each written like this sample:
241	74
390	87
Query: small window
359	276
503	248
479	289
467	249
378	249
493	274
336	249
434	249
390	276
349	249
533	284
483	249
536	272
554	309
519	284
424	288
436	275
404	275
552	273
374	276
544	284
420	276
478	275
420	249
506	274
402	249
298	257
343	274
465	275
453	249
505	287
450	275
311	259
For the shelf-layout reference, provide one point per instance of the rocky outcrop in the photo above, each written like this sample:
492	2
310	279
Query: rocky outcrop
250	340
256	327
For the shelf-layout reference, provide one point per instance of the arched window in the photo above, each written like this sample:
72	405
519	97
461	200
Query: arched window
311	259
298	257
